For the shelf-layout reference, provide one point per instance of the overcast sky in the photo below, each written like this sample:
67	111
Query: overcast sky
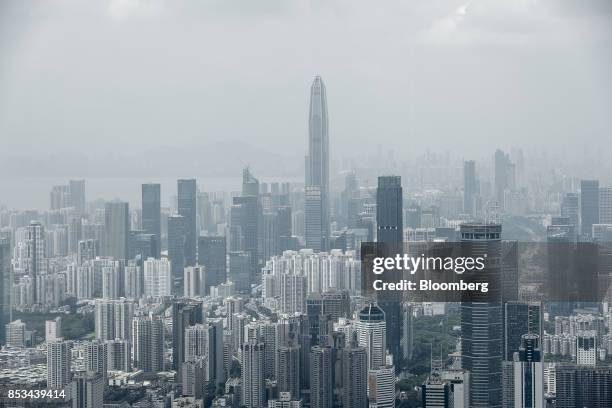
192	86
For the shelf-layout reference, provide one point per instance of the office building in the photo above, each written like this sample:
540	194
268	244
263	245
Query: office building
381	387
212	255
316	204
528	373
520	318
187	193
372	335
116	229
390	231
151	213
589	205
77	195
470	187
177	241
193	281
87	390
481	318
570	208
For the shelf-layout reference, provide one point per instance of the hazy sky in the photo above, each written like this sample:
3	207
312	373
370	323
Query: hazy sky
170	87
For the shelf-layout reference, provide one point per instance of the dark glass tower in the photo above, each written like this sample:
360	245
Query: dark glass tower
389	217
481	318
151	212
317	170
589	205
390	231
212	255
177	239
187	193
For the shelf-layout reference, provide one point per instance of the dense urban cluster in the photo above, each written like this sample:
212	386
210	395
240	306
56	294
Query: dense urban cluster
255	298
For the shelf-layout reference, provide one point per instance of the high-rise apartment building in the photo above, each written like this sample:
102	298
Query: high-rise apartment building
58	364
157	277
252	374
5	285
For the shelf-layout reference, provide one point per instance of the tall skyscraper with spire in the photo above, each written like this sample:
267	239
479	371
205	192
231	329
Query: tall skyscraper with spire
316	200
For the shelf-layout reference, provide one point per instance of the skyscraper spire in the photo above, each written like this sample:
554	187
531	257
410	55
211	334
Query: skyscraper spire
317	170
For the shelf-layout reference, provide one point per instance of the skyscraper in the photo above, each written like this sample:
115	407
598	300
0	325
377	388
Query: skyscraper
151	212
211	254
96	358
148	343
77	195
605	205
381	387
503	177
177	241
317	170
529	374
589	205
36	263
87	390
185	313
157	278
390	231
470	186
288	372
389	210
245	219
252	374
5	285
372	335
113	319
570	207
187	193
116	229
481	318
321	377
354	375
58	364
